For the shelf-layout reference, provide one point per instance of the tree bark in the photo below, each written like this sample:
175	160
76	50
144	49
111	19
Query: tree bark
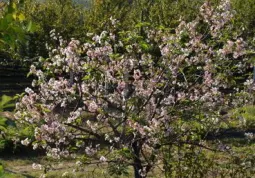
137	161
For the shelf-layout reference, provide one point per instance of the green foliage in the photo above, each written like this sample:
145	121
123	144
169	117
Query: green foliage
6	102
9	129
118	169
73	19
245	16
1	170
65	17
192	161
12	28
244	117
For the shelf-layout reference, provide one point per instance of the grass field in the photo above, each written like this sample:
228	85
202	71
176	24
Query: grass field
21	167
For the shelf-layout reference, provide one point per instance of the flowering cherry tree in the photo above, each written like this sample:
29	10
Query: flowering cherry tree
116	99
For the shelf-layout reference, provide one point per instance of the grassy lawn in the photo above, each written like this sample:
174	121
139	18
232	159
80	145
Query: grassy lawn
19	167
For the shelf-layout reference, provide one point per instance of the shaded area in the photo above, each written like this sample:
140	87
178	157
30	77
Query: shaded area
13	79
229	133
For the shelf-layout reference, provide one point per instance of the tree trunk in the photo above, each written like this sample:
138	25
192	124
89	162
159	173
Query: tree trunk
137	161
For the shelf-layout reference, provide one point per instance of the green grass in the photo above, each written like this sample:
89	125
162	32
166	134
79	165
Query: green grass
22	167
18	167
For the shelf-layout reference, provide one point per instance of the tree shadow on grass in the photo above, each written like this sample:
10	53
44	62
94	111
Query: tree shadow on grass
18	174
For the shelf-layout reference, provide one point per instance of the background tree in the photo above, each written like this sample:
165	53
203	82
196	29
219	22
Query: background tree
64	17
